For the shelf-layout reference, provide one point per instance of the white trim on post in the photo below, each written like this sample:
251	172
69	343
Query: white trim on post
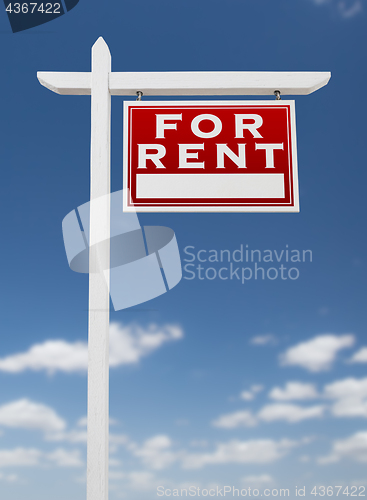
99	299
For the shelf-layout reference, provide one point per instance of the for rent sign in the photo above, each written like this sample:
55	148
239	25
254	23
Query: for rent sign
210	156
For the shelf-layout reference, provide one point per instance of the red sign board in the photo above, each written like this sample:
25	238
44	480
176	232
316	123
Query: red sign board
210	156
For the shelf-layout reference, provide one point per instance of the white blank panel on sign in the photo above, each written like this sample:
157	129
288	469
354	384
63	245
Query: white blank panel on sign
210	185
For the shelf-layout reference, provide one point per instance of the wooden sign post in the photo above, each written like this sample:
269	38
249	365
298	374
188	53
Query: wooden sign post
101	83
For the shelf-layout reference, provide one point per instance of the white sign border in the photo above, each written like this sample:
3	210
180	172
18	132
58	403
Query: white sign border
207	208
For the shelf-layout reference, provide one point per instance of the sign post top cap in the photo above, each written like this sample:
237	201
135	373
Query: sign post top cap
101	45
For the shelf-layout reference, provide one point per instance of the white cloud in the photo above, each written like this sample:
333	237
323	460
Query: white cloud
143	481
237	419
199	443
51	355
353	447
261	451
346	8
26	414
263	479
247	395
182	421
128	344
264	339
31	457
348	387
360	356
114	462
342	398
72	436
350	395
115	475
156	452
20	457
9	478
294	391
289	412
117	440
323	311
65	458
77	436
269	413
83	421
317	354
251	393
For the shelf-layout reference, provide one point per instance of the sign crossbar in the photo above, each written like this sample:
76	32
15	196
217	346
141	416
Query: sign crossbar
190	83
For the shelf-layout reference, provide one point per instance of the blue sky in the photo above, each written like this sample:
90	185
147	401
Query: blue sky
261	384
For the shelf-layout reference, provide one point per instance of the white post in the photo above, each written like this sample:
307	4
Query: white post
99	300
101	83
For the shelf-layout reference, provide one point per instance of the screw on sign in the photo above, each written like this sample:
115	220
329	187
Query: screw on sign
211	156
